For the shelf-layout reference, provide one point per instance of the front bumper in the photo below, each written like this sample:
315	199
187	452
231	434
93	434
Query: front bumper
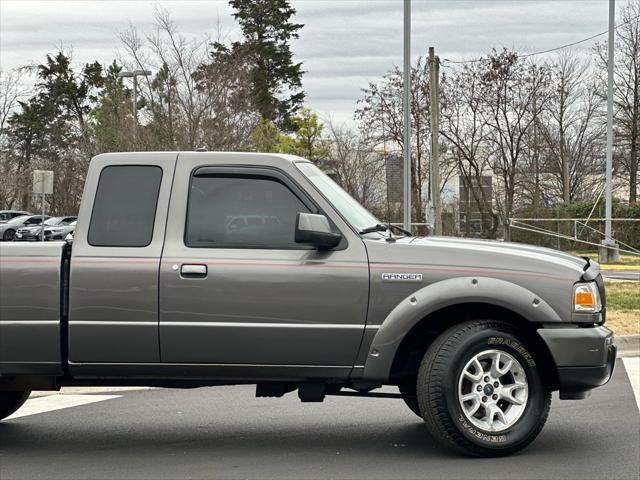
26	239
26	236
584	357
30	237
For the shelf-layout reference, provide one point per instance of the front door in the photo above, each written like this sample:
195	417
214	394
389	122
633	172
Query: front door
236	289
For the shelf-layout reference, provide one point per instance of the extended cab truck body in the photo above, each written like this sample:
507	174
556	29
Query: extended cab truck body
193	269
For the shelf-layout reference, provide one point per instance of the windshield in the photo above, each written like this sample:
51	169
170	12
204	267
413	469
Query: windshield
358	216
18	220
53	221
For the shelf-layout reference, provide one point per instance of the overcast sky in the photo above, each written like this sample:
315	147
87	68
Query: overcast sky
343	45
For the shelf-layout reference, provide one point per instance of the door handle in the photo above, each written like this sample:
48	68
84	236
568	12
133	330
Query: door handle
193	271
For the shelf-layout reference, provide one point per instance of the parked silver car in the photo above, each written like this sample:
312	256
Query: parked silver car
55	228
8	230
60	232
6	215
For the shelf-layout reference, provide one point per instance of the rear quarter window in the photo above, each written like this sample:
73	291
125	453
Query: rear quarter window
124	208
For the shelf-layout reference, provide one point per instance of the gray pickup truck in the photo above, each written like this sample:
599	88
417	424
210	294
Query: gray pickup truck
194	269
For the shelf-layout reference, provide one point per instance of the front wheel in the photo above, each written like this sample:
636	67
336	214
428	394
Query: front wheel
9	235
10	401
480	390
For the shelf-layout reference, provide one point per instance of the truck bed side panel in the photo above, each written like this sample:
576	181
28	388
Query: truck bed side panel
30	286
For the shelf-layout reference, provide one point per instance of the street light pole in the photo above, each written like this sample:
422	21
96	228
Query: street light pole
434	104
135	101
134	75
606	253
406	106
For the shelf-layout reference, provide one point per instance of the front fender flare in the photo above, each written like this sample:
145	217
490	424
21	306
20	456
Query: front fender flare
443	294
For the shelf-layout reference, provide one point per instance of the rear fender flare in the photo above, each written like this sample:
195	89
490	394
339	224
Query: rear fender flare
443	294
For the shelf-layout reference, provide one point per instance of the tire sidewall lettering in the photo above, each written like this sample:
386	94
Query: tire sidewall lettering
499	341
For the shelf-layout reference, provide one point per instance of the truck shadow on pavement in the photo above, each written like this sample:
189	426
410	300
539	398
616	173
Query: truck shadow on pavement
226	433
27	435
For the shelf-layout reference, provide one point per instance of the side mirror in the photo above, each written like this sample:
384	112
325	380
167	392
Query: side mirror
315	230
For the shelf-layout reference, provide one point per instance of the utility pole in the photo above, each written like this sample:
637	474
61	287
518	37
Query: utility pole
536	157
42	219
607	254
406	107
135	74
434	97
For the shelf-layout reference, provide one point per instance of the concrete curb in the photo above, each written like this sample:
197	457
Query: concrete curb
628	345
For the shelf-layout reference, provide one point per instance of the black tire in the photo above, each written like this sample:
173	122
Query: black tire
9	235
408	391
437	390
10	401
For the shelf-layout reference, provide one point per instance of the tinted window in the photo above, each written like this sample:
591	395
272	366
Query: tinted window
34	220
241	211
124	209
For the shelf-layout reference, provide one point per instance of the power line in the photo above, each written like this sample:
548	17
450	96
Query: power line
564	46
526	55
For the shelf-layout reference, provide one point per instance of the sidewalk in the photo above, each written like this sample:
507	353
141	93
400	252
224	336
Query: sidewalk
628	345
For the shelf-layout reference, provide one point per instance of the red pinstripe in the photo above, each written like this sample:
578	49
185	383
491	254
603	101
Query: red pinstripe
302	265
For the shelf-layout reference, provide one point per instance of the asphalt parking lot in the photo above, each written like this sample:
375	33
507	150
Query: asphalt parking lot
225	432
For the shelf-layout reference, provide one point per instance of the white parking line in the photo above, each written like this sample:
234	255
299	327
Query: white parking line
57	402
632	366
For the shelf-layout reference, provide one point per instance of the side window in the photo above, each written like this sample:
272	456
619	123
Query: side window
241	211
124	209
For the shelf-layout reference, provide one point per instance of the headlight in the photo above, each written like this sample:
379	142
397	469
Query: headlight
586	298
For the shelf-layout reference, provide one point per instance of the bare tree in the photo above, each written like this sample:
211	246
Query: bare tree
573	131
11	92
379	112
190	101
510	85
359	168
465	128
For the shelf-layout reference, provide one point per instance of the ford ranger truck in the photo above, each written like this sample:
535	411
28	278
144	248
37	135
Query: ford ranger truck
198	269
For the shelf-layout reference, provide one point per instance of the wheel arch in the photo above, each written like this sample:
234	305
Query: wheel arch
416	342
411	327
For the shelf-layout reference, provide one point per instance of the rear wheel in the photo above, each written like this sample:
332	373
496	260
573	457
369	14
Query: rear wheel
10	401
9	235
480	391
